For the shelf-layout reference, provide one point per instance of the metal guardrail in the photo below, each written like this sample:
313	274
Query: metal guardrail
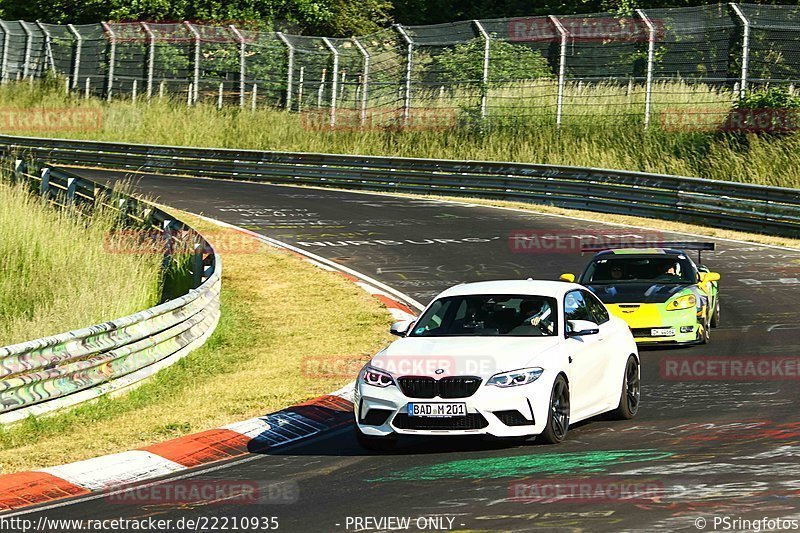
722	204
53	372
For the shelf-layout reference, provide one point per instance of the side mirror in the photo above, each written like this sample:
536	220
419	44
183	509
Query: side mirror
401	328
580	328
706	277
569	278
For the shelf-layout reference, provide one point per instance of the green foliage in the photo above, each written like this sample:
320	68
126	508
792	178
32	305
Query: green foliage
769	98
463	64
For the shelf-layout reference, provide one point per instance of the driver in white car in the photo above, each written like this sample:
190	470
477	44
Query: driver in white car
537	313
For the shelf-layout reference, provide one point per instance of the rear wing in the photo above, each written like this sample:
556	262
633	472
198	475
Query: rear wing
699	247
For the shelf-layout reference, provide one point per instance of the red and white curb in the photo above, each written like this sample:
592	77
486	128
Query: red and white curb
260	434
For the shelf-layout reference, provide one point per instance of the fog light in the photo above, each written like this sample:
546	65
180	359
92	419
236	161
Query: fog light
687	329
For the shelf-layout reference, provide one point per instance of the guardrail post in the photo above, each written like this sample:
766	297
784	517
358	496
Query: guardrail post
334	78
76	60
44	186
242	51
364	79
196	82
72	186
289	69
651	51
486	54
197	265
409	64
4	58
48	46
19	171
26	65
562	69
745	48
112	58
151	55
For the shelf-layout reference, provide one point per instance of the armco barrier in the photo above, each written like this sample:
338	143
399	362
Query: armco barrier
723	204
61	370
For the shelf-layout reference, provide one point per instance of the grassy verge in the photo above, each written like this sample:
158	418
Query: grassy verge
588	140
57	274
281	317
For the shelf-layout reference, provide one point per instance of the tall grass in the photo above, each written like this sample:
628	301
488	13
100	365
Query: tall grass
607	134
57	274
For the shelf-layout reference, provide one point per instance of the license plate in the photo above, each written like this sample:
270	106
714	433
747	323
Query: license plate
662	332
437	410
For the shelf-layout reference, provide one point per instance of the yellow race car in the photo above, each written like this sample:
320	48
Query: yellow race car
660	292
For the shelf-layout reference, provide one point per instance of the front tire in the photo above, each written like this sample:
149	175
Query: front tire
375	444
631	391
558	415
715	316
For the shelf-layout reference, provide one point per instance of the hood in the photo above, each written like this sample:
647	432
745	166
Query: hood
639	293
438	357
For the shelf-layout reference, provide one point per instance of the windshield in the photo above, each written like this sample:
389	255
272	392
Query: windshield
486	315
641	269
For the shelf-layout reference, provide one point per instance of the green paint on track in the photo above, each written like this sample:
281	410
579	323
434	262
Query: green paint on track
525	465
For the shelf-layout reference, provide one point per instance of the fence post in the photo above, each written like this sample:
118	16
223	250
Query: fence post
562	69
112	58
44	186
300	90
745	48
4	59
334	78
289	69
48	46
364	80
240	40
651	53
151	54
196	77
76	60
28	44
409	62
72	186
19	170
486	54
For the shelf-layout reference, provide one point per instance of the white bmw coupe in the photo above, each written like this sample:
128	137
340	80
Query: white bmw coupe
499	358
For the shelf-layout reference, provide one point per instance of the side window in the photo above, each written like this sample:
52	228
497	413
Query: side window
596	307
575	307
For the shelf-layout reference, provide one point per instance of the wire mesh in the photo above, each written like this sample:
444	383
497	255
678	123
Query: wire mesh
607	68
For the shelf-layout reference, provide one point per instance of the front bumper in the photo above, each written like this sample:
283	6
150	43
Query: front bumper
486	410
644	318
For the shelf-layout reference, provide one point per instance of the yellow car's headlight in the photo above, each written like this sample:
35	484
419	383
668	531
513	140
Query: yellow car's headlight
683	302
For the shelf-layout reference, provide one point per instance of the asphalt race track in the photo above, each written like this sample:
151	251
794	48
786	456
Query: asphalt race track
725	448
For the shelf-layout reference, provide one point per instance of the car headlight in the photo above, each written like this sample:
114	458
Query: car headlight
377	378
683	302
515	378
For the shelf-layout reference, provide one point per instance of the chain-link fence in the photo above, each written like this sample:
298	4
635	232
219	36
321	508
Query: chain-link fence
652	65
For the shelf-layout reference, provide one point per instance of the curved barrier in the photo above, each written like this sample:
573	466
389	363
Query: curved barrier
61	370
722	204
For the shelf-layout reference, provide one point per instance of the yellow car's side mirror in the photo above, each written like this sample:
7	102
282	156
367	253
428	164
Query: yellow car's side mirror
569	278
708	277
